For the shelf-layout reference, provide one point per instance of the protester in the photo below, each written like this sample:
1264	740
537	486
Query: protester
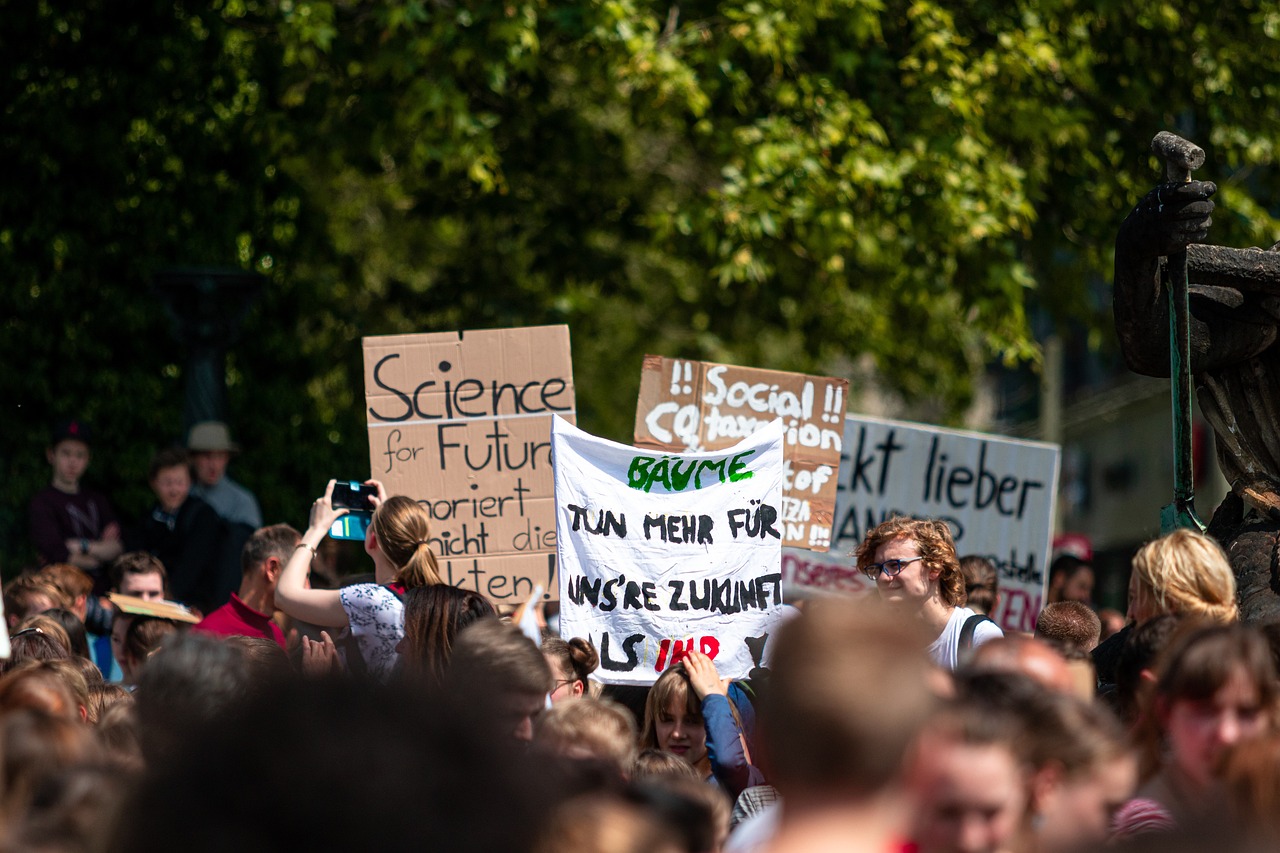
971	784
981	584
914	566
1070	579
93	614
141	575
27	595
584	728
849	693
1135	671
1036	659
434	615
142	639
183	532
688	713
398	542
69	523
497	672
571	662
1216	688
1070	626
1183	572
211	448
656	762
249	612
1080	763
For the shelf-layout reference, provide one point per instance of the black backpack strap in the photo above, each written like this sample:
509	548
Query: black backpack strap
966	630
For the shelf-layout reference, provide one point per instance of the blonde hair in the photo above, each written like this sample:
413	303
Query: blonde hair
403	528
601	726
1187	572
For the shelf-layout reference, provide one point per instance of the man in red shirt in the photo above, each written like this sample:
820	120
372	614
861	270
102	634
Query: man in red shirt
248	613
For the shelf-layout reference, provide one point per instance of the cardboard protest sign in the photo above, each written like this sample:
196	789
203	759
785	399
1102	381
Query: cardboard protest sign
660	554
996	493
461	421
697	405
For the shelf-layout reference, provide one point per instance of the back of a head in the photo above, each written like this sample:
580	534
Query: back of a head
192	679
588	728
1070	626
935	544
981	583
403	528
43	686
144	637
492	652
655	762
1054	726
49	626
696	812
1027	656
34	745
29	594
1188	572
32	645
848	693
276	540
434	615
1142	648
264	659
77	635
72	581
603	824
577	657
343	766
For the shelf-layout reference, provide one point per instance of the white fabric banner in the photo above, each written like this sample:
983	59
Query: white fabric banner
661	553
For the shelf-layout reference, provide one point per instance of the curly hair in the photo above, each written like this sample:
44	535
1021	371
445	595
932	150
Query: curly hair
933	539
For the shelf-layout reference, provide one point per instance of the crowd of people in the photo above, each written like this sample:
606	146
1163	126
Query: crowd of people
150	703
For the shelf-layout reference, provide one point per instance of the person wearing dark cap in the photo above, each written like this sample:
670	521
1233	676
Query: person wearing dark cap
211	449
69	523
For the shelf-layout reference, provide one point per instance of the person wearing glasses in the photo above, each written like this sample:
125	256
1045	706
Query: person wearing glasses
916	572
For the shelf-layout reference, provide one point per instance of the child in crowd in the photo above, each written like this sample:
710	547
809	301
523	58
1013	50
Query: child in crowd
688	713
70	523
183	532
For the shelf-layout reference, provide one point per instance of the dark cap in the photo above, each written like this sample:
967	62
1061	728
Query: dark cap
73	428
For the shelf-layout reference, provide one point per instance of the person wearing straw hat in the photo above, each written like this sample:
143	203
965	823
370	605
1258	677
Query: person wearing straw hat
211	448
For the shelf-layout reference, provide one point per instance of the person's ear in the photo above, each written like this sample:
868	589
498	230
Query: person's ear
48	454
271	568
579	688
1044	783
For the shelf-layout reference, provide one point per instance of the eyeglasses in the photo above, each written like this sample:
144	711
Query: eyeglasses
891	568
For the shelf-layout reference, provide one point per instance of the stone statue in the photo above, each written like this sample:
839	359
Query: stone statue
1235	364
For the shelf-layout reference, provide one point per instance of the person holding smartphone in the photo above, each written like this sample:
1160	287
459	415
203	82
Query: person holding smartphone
397	540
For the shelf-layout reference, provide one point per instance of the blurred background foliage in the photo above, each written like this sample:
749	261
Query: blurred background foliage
880	189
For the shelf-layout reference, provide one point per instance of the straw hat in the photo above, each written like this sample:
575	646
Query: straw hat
211	435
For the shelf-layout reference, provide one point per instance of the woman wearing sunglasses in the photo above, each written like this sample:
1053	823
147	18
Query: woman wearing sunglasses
916	572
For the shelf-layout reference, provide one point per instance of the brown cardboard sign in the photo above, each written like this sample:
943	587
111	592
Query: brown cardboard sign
461	421
698	405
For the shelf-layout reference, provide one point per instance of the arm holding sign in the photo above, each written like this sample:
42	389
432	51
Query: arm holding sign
726	746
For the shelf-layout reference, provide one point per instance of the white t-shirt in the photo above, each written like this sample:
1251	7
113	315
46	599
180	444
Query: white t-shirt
943	650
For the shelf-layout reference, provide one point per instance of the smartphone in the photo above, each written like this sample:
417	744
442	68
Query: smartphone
353	525
349	494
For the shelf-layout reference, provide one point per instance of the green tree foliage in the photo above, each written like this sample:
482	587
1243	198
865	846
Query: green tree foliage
879	187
